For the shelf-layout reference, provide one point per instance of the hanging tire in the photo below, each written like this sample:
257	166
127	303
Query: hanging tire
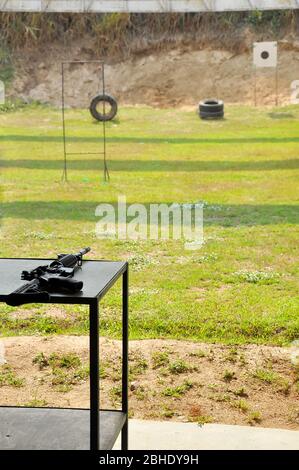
211	109
111	102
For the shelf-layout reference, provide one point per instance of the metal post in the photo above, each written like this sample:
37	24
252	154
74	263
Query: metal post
125	352
255	91
106	171
94	375
64	174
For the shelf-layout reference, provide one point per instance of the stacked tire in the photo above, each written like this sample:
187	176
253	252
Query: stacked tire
211	109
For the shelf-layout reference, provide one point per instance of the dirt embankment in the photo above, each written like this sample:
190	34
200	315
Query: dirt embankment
181	76
177	380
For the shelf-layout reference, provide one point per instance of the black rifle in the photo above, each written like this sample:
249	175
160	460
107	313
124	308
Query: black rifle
55	277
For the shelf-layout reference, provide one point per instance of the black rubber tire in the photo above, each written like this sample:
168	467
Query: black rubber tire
211	109
99	99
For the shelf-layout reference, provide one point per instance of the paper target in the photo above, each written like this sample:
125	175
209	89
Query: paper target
265	54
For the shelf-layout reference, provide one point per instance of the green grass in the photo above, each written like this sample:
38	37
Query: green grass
241	287
178	391
9	378
66	369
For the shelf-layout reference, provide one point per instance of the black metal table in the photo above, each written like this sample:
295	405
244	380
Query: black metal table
71	429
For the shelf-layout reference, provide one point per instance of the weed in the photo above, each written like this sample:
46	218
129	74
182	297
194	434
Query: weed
138	261
241	392
271	377
255	277
115	393
65	361
103	371
254	417
138	366
141	393
242	405
159	359
178	367
225	398
41	360
35	403
178	391
229	375
9	378
167	412
202	420
199	353
232	355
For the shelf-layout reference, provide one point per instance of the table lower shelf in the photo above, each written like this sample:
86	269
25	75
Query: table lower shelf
55	429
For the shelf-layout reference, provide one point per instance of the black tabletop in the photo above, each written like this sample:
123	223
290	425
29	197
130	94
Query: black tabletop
97	277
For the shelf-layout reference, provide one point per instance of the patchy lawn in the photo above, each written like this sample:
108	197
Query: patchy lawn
241	287
173	380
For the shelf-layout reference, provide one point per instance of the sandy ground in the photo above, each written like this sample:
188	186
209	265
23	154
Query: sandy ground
177	380
182	76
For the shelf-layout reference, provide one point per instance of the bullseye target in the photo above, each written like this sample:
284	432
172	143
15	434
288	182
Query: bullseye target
265	54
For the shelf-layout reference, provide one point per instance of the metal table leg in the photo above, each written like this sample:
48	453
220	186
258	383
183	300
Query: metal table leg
125	348
94	375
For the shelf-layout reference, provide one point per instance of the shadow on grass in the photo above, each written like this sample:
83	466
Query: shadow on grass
281	116
154	165
150	140
220	215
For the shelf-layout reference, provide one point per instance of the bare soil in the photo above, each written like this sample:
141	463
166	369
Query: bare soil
174	380
182	76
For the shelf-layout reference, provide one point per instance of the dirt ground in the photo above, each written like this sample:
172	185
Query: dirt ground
174	380
182	76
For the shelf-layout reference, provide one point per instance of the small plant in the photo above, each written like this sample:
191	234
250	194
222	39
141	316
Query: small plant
9	378
254	277
141	365
67	369
141	393
255	17
284	386
241	392
199	353
201	420
178	367
211	355
139	261
115	393
221	398
205	258
229	375
254	417
81	374
138	366
265	375
67	361
36	403
232	355
10	106
103	371
213	386
242	405
242	360
41	360
40	235
177	392
167	412
271	377
60	377
160	359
